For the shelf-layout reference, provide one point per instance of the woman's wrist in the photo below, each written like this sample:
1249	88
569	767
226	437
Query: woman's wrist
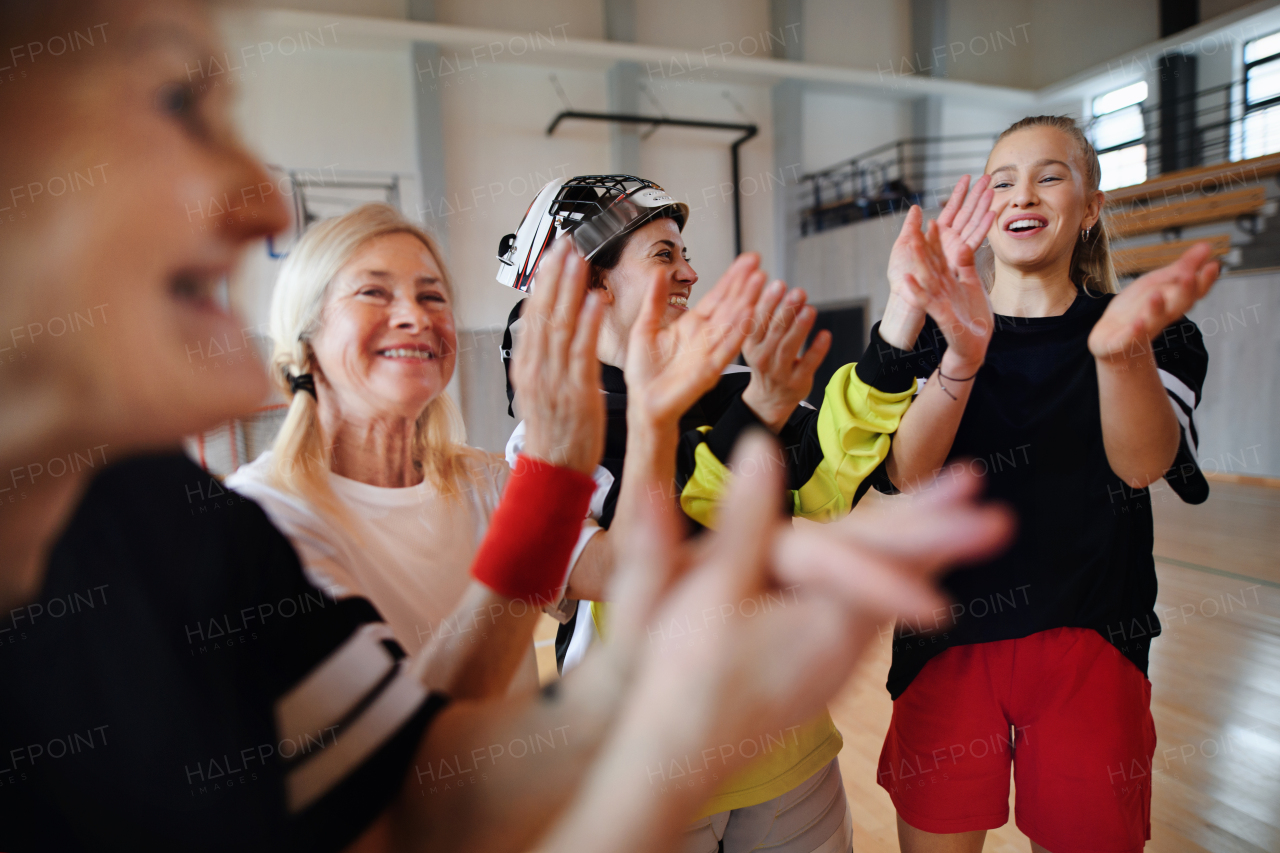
771	412
901	323
956	365
1124	360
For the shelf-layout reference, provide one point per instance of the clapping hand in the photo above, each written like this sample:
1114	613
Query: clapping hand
554	368
668	369
1149	304
963	224
952	293
780	375
718	660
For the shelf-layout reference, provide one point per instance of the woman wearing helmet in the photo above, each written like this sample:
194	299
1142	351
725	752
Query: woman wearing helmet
790	797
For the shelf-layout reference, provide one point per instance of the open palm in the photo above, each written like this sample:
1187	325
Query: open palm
961	226
669	368
1152	302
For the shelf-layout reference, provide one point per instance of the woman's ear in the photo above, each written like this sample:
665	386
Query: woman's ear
1093	210
601	286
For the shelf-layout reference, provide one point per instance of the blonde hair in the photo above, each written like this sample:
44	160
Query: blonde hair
1091	264
301	459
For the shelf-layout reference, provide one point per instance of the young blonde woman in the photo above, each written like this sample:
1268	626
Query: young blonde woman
1072	399
370	476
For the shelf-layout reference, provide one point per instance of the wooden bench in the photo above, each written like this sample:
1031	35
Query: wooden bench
1140	259
1202	179
1195	211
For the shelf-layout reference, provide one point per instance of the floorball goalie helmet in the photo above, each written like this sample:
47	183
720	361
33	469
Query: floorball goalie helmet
595	209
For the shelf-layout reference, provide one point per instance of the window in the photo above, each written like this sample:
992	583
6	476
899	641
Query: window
1118	130
1261	132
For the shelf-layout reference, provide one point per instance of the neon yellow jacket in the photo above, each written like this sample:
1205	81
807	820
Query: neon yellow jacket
830	453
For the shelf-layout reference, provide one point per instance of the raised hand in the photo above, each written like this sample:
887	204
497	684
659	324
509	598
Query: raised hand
903	317
879	557
554	367
966	218
669	368
954	296
964	222
780	376
1140	311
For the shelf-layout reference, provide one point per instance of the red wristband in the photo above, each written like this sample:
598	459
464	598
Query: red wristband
531	536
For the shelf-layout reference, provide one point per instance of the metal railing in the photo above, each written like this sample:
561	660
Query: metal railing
1206	127
889	178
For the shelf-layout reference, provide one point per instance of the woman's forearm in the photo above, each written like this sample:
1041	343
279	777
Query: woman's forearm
589	579
469	787
1139	429
928	429
649	472
479	659
650	460
621	793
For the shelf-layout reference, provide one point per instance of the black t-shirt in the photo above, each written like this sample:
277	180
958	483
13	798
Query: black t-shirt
1032	425
179	685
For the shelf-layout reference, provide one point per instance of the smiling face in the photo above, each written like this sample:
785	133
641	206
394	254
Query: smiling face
130	242
654	252
1042	199
386	346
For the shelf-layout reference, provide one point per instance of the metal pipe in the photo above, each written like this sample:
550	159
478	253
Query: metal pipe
747	130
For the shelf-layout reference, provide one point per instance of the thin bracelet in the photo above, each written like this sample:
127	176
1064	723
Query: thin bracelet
942	376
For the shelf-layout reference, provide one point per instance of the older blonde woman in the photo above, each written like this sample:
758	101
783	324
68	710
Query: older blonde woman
369	475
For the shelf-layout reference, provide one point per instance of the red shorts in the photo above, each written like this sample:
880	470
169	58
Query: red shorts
1064	707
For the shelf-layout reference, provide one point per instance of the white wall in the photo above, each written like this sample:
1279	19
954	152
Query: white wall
866	34
704	23
847	264
1061	39
497	157
1239	416
839	125
572	18
326	112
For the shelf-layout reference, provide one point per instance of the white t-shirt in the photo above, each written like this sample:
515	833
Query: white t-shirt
410	552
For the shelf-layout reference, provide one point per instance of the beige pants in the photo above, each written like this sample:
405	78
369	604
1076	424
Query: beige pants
812	818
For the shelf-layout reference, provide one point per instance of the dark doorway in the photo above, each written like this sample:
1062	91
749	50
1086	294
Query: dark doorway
847	324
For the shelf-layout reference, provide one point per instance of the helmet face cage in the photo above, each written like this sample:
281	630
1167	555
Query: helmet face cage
594	208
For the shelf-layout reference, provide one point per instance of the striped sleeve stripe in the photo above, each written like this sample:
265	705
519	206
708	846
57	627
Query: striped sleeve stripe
350	704
1178	388
334	687
383	717
1184	401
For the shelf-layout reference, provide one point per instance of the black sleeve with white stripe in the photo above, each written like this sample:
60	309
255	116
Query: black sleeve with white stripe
357	718
1183	363
228	703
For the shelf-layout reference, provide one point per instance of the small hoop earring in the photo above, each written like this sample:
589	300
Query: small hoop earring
1084	235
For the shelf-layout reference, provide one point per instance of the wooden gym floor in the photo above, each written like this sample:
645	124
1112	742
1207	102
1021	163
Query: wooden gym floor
1215	675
